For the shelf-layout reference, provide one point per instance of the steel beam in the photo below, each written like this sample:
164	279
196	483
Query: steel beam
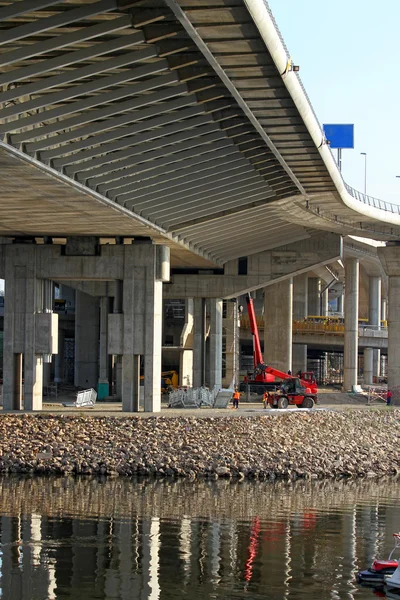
224	236
136	144
113	170
224	228
124	133
233	184
191	207
206	211
223	149
87	116
161	191
118	160
59	20
207	53
169	162
68	39
97	84
64	60
79	106
228	162
107	124
15	9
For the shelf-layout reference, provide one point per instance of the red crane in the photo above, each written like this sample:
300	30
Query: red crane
301	390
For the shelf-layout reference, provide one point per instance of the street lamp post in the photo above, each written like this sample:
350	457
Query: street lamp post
364	154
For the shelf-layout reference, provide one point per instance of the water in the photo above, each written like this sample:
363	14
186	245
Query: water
118	539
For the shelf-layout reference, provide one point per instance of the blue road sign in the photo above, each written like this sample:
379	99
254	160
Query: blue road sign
339	136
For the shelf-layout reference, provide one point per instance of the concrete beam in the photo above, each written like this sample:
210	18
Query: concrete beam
263	269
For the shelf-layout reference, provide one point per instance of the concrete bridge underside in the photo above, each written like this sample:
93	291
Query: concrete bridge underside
180	124
170	120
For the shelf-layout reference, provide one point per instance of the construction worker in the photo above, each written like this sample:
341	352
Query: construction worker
265	398
389	398
236	398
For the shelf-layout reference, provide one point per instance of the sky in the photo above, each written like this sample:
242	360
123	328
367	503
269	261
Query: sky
349	57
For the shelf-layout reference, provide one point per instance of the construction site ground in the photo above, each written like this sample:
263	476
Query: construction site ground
328	399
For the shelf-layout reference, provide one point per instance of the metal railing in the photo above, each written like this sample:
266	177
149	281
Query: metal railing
371	201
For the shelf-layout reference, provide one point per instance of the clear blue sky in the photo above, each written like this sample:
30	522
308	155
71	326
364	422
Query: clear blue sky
349	57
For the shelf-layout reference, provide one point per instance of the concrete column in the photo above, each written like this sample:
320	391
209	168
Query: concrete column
374	309
368	365
325	303
86	340
214	375
231	329
199	334
59	359
24	298
313	298
374	317
278	306
300	306
351	322
103	388
390	259
384	309
145	268
340	303
186	342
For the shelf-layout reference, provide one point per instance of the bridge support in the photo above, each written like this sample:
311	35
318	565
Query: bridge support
374	317
199	342
86	340
186	343
278	322
390	259
30	329
368	365
300	301
351	266
231	330
134	272
214	354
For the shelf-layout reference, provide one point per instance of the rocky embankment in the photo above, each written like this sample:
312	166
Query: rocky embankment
292	446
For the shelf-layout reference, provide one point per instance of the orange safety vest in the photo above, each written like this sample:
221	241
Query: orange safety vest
236	396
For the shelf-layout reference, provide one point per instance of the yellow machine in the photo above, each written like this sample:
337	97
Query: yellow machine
169	379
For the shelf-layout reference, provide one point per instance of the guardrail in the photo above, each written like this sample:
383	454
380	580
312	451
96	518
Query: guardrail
371	201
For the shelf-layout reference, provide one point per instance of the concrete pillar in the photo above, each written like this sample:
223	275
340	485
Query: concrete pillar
390	259
351	322
59	359
368	365
214	374
186	343
146	266
24	297
313	297
384	309
230	326
374	309
278	306
374	318
86	340
103	388
325	303
199	334
300	307
340	303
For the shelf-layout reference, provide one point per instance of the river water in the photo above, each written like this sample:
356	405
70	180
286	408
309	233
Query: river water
118	539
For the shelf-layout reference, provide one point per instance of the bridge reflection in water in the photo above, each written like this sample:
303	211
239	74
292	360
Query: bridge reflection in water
86	539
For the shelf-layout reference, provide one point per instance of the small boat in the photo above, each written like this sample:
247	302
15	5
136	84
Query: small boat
392	582
376	574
